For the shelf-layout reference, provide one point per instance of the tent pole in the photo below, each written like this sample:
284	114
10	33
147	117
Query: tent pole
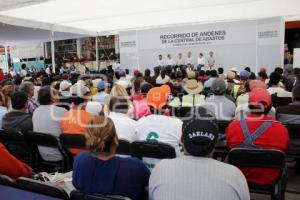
97	54
6	59
52	51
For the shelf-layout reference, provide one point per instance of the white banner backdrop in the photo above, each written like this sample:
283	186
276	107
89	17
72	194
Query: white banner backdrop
252	43
27	51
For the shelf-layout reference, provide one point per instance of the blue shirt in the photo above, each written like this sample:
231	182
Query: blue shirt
100	97
116	176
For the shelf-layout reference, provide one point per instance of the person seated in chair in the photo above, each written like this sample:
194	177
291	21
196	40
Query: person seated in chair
258	130
183	177
11	166
99	170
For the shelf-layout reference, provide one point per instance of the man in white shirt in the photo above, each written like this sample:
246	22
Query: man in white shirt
46	119
189	59
196	175
158	127
180	60
200	62
160	61
211	60
170	61
126	127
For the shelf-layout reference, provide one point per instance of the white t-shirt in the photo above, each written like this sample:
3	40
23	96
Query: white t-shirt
170	62
180	61
189	177
159	80
201	61
46	119
126	127
189	60
161	62
124	82
273	90
160	128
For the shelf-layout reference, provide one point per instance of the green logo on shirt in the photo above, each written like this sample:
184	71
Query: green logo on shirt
152	137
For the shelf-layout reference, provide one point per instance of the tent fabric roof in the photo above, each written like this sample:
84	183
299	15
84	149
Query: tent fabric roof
12	4
106	17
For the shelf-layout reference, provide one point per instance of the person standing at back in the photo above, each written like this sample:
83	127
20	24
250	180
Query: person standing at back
196	175
46	119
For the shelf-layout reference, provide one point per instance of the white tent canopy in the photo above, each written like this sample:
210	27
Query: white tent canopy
106	17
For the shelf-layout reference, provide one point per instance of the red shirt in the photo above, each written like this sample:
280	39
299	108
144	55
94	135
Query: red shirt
275	137
12	167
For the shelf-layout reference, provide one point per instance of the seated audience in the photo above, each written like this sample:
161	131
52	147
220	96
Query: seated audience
140	106
12	167
193	98
99	170
125	126
162	78
148	78
170	177
46	119
28	88
18	119
123	81
283	98
274	86
3	108
158	127
101	95
218	103
213	76
239	88
264	131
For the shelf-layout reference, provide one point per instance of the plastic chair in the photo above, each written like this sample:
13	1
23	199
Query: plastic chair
75	195
42	188
262	158
157	150
221	149
294	133
47	140
7	181
124	147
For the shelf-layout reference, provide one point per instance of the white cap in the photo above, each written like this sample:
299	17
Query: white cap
64	85
79	90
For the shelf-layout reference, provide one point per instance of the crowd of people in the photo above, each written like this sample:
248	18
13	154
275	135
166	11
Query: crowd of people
177	105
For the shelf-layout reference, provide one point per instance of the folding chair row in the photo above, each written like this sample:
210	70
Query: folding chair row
294	134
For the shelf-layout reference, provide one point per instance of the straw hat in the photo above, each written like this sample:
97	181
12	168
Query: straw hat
193	87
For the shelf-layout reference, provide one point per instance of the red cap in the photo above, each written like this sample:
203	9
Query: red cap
136	72
257	84
258	95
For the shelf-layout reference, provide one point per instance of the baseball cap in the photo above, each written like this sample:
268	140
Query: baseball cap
259	95
218	86
157	97
230	75
79	90
244	74
257	84
199	136
136	72
122	72
64	85
101	85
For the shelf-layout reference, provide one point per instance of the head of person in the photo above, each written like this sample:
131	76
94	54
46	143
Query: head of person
118	91
218	87
180	55
46	96
200	55
231	75
23	66
157	99
275	78
214	73
119	105
27	87
101	86
252	76
193	87
101	137
297	73
160	57
260	102
137	84
19	101
127	71
190	74
296	93
169	56
163	74
244	75
211	54
156	70
178	75
263	75
207	72
288	55
147	72
3	100
122	73
247	69
79	94
199	137
220	70
189	54
288	83
279	70
145	87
